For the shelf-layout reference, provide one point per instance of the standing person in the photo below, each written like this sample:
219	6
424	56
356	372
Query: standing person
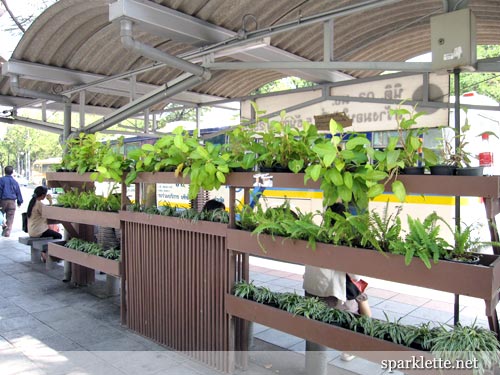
9	193
336	288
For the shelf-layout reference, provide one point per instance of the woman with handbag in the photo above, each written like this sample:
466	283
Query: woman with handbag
37	224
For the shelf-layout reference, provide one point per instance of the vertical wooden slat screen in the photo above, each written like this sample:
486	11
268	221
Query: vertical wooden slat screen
176	281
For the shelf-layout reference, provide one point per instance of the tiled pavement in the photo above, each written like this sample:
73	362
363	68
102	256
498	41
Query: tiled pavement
48	327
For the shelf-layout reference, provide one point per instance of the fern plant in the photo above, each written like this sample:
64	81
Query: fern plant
386	228
422	241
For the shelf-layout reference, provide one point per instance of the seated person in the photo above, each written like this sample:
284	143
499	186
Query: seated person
37	224
212	205
217	211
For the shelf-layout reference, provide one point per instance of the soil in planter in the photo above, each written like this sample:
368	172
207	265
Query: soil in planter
469	259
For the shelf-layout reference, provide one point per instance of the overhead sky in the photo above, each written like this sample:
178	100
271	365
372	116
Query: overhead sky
9	33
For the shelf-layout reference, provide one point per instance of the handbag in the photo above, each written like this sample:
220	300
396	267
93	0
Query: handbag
24	216
354	288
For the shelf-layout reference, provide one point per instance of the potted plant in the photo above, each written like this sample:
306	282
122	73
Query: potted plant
467	245
83	154
412	153
461	157
241	146
342	162
422	240
284	148
445	164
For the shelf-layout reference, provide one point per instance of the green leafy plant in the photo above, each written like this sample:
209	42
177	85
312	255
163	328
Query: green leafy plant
88	200
386	227
282	146
83	154
207	169
468	343
404	150
92	248
218	215
311	308
169	153
244	290
241	147
410	138
113	165
349	230
346	173
478	345
466	241
422	240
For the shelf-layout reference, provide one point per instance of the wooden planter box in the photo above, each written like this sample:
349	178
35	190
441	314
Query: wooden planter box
108	266
325	334
101	218
160	178
481	281
69	176
309	329
474	186
206	227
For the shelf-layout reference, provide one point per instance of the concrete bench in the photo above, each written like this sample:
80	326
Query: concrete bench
31	241
43	247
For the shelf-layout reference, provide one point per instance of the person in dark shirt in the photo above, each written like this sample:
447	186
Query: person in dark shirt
9	194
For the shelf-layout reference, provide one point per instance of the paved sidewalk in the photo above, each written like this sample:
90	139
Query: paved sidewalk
50	327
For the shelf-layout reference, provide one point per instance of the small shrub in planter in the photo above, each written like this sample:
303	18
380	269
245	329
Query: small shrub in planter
93	248
446	342
88	200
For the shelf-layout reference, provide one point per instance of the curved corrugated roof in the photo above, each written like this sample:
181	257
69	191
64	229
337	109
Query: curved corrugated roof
77	35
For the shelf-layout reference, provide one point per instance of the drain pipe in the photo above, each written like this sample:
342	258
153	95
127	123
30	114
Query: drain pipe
18	91
141	104
197	74
145	50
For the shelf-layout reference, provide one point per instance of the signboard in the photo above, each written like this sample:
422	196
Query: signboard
369	107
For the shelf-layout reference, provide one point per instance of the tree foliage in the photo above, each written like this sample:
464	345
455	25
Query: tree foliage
287	83
20	140
483	83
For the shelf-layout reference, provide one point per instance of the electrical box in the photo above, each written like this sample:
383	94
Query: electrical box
453	40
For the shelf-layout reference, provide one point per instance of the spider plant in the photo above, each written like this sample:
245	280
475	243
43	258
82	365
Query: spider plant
244	289
468	343
309	307
264	295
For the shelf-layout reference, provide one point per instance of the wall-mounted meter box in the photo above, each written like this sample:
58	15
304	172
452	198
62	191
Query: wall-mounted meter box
453	40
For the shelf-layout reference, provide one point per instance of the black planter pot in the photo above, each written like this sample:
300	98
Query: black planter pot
469	259
469	171
442	170
275	169
413	170
239	169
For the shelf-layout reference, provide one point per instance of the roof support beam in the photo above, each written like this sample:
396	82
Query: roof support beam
142	103
178	26
35	124
106	85
324	65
